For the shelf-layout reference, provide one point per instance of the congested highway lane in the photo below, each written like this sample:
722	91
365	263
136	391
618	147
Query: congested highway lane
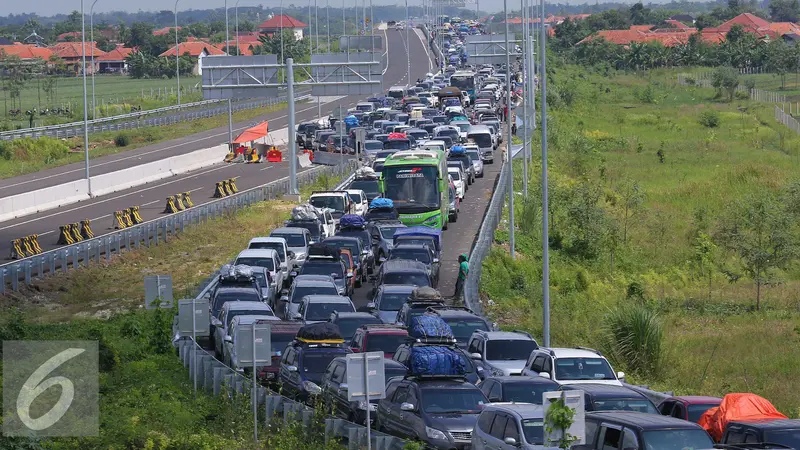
200	183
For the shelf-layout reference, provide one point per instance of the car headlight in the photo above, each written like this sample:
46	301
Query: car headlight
433	433
362	405
311	387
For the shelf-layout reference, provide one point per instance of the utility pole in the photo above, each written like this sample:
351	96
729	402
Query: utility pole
510	188
85	102
545	201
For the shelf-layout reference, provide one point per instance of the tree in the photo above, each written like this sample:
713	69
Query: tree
706	21
629	201
725	80
292	48
781	59
761	232
735	34
784	10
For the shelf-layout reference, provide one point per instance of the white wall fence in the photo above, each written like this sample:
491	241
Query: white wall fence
703	79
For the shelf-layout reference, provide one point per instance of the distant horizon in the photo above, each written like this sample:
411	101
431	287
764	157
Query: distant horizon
49	8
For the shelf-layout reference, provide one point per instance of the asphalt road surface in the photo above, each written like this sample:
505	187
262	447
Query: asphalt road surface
152	197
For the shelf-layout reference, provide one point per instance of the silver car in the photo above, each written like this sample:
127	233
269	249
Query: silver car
510	426
474	153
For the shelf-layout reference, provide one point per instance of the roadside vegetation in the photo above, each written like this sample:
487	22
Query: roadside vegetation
147	399
673	235
28	155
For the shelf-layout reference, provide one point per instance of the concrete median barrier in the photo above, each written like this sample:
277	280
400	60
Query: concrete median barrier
331	159
43	199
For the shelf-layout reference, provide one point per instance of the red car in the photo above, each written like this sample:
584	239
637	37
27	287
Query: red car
379	338
281	335
688	407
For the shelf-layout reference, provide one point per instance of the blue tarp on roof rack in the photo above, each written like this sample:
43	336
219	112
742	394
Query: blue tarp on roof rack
381	203
457	150
351	221
420	231
433	360
430	327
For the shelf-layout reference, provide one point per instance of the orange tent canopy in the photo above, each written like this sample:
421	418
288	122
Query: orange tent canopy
253	133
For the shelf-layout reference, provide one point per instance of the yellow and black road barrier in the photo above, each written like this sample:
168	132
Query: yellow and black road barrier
232	184
25	246
219	191
126	217
179	202
119	222
187	200
225	188
65	235
171	207
136	218
86	229
75	230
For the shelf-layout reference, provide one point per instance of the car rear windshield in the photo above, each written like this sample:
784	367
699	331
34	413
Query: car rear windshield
370	187
355	197
583	369
277	246
323	311
527	392
269	263
293	240
246	312
334	202
348	327
533	429
415	279
317	362
279	341
509	350
452	401
312	227
301	291
677	439
386	343
790	438
463	328
237	296
482	139
393	302
695	411
322	268
388	232
414	254
624	404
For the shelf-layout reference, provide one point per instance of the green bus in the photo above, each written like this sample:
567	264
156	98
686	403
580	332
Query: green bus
418	184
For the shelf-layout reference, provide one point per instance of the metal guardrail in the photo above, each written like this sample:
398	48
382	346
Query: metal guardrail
141	119
148	233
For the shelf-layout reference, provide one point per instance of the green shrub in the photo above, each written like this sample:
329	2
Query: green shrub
122	140
633	338
43	149
741	95
709	118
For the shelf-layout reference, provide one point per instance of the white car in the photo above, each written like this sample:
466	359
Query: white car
268	259
230	310
458	181
360	203
572	366
475	155
434	144
278	244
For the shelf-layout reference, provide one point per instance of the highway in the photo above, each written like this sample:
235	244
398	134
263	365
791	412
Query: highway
152	197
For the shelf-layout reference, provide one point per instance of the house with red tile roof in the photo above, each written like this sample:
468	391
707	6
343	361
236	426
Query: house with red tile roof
275	24
197	50
114	61
245	48
72	54
25	52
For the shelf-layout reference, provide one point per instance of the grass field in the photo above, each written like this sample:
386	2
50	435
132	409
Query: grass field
639	190
147	399
114	94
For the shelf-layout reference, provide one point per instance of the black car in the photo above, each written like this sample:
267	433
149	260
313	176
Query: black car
413	308
474	374
629	429
349	322
354	245
303	366
418	252
334	391
439	412
606	397
517	389
403	272
774	431
466	162
367	257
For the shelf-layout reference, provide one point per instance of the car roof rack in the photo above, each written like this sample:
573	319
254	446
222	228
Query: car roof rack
435	377
436	308
411	340
387	326
327	343
590	350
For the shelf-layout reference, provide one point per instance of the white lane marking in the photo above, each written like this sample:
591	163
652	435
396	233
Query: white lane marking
112	198
265	168
150	203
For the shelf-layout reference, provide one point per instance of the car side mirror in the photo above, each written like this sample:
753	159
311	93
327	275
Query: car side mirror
216	322
293	273
407	407
382	259
475	356
544	375
621	375
510	441
228	339
376	236
296	316
436	260
495	399
350	275
343	387
284	298
372	305
283	266
291	368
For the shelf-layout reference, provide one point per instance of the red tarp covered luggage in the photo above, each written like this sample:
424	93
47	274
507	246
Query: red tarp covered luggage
737	407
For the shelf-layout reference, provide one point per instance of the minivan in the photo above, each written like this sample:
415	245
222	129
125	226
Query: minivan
482	136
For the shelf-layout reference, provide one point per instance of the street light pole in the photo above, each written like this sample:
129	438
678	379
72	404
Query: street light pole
545	200
408	47
177	54
85	102
227	33
508	134
236	11
91	39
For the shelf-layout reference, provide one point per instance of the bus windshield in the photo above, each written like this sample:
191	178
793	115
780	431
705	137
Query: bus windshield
413	189
463	82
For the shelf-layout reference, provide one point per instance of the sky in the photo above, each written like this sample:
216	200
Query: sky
50	7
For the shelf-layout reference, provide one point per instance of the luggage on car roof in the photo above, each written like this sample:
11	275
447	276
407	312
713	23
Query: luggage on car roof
426	294
436	360
381	203
305	212
320	332
351	221
430	327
